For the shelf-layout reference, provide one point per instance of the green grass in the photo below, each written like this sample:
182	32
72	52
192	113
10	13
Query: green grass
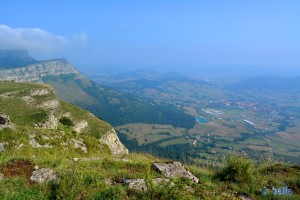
181	140
86	178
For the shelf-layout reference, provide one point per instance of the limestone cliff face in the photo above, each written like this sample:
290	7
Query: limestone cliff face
35	72
41	99
112	140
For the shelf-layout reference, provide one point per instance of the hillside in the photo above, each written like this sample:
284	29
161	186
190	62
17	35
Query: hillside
50	149
117	108
48	122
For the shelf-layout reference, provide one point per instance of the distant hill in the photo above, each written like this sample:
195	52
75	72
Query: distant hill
113	106
116	107
14	58
268	83
133	81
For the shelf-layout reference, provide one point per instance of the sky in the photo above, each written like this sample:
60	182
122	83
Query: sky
184	35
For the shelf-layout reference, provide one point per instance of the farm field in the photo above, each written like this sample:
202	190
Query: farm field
258	124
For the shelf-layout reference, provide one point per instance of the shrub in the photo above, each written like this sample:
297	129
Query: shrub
238	170
66	121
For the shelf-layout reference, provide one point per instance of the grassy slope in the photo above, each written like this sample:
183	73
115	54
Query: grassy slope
86	179
26	110
26	113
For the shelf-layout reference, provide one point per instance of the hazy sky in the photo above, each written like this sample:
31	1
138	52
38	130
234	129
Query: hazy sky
161	34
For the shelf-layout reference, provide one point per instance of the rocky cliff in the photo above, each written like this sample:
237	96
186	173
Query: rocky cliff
114	143
47	122
36	71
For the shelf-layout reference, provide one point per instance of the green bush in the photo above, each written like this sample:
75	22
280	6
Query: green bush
66	121
237	170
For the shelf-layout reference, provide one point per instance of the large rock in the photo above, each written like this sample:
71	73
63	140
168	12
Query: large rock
137	184
44	174
5	122
79	144
114	143
140	184
79	127
175	169
51	123
1	176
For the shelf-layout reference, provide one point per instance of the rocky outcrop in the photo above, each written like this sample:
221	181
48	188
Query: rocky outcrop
50	123
140	184
78	144
114	143
5	122
44	174
80	126
171	170
35	72
51	104
137	184
35	144
49	109
175	169
39	92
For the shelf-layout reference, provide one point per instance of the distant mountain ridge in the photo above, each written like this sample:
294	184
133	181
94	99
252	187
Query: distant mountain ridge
268	83
14	58
34	72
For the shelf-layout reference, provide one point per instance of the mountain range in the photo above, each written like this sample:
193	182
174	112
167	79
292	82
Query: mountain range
266	82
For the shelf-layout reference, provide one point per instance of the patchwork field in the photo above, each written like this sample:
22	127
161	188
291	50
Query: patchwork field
259	124
149	133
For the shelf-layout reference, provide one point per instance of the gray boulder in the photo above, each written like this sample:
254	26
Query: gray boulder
44	174
1	176
137	184
140	184
175	169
